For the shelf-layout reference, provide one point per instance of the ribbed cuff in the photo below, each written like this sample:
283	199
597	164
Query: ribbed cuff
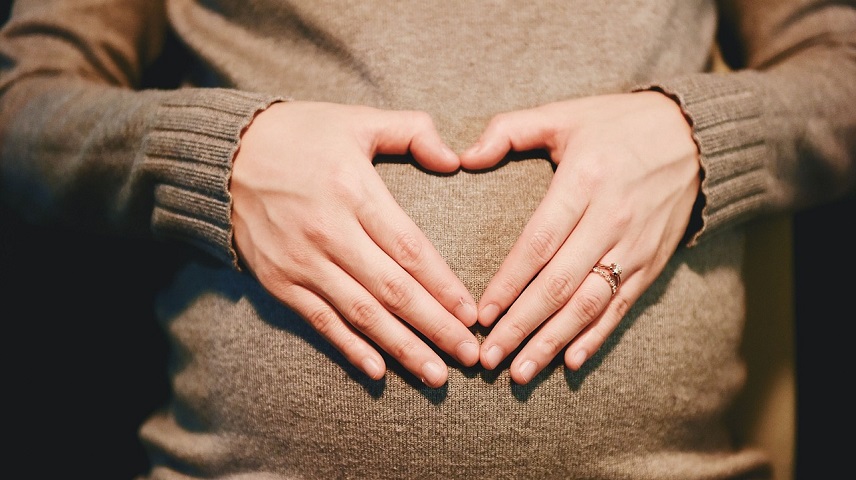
189	151
725	116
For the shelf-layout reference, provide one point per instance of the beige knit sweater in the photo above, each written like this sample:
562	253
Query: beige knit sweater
257	393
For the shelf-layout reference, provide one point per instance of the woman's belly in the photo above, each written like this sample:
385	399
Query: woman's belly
259	393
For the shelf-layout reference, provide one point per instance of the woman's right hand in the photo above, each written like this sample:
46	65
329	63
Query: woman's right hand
315	224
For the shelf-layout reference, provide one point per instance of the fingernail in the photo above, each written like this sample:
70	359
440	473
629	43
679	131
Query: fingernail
372	368
468	353
488	314
466	312
493	357
579	358
474	149
432	374
527	370
449	154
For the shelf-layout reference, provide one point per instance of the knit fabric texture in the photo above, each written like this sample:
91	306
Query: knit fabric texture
256	392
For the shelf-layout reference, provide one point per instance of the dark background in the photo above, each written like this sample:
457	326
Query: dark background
85	362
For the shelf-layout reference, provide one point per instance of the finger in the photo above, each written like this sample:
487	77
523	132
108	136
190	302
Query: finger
519	131
551	290
403	241
587	305
367	316
329	324
592	338
546	231
399	132
397	291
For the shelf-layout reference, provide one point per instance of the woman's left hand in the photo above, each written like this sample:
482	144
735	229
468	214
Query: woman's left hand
626	179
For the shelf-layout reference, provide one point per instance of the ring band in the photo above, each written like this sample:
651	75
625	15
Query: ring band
611	273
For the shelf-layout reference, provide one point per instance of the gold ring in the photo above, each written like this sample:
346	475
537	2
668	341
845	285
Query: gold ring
611	273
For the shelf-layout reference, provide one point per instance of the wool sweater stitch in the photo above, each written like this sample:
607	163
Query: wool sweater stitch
86	141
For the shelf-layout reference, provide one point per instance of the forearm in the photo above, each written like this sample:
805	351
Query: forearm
776	133
82	146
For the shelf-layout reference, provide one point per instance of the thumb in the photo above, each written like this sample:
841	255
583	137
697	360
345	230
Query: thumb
399	132
518	131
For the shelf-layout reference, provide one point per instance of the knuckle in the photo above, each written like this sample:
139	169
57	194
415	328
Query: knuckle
444	292
404	350
323	321
394	293
319	237
599	337
587	306
518	332
509	287
594	174
364	315
558	288
268	274
621	217
347	344
319	232
406	249
346	186
551	345
621	305
594	339
543	244
439	333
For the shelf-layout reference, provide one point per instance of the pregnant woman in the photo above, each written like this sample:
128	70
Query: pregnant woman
437	239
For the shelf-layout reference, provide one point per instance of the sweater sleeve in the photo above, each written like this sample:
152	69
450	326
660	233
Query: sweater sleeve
777	131
83	145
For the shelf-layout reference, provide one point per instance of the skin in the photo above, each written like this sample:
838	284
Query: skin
360	271
336	247
626	179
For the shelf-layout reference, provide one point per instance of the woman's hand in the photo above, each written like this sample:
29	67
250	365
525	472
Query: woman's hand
318	228
626	179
